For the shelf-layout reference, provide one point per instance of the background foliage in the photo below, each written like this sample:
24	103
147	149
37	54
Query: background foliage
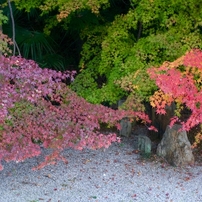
109	41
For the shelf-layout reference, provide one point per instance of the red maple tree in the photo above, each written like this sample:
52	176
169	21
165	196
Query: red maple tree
37	109
181	82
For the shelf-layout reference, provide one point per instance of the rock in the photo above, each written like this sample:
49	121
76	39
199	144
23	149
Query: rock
175	147
126	127
144	145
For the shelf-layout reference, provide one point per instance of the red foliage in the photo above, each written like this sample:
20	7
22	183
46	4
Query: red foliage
180	81
36	107
193	59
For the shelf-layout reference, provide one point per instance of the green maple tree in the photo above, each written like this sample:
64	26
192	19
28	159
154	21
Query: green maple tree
120	38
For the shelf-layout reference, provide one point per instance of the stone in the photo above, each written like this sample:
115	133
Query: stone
126	127
144	145
175	147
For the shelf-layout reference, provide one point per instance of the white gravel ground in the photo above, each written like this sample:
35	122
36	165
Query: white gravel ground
113	175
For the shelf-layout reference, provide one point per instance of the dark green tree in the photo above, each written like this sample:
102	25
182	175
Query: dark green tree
48	50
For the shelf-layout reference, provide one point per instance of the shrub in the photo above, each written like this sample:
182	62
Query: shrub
38	108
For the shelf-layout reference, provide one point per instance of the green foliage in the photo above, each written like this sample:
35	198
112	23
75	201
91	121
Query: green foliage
28	5
86	86
119	40
3	18
134	103
5	43
33	43
148	34
21	109
39	47
4	40
138	84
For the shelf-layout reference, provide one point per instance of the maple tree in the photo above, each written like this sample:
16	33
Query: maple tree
181	82
38	108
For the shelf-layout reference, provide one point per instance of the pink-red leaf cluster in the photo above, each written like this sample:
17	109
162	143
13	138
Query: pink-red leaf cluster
37	109
180	85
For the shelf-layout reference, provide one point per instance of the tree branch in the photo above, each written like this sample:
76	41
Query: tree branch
13	30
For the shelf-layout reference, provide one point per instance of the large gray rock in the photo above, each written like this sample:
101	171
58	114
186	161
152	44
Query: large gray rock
175	147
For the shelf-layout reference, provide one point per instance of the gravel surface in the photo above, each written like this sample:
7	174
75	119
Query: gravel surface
116	174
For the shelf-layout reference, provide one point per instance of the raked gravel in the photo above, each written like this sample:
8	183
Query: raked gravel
113	175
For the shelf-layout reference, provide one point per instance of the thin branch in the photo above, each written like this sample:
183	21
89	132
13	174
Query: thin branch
13	29
17	48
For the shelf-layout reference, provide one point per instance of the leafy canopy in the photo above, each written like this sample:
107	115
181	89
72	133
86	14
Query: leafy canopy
119	40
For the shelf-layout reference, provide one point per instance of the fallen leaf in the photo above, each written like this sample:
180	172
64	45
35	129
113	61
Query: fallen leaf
186	178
